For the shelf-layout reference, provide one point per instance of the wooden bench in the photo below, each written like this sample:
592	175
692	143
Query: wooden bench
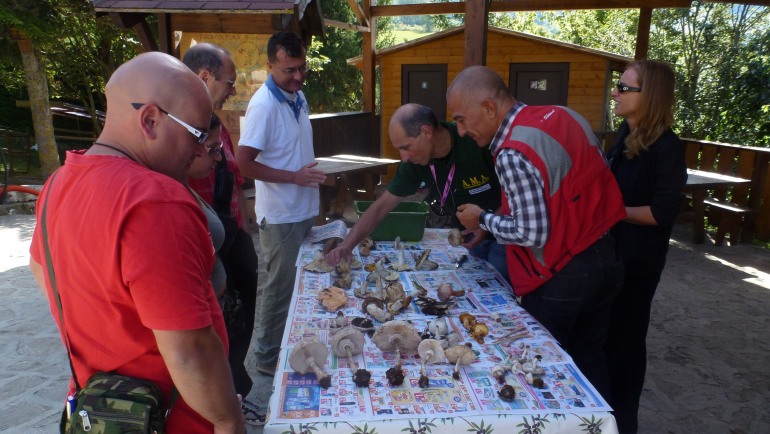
728	218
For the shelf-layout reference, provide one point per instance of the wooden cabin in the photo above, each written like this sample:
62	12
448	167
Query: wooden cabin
538	71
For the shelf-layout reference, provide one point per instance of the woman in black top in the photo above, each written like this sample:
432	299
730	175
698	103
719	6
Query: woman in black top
648	162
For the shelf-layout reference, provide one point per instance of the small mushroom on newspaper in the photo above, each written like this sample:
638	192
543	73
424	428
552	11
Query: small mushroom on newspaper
366	246
478	332
310	356
397	244
455	237
332	298
376	308
507	393
498	372
338	323
446	291
364	325
430	352
460	355
400	264
318	264
467	320
421	262
344	281
438	327
349	342
430	306
396	336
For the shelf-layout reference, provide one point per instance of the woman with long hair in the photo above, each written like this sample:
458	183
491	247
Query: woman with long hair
648	163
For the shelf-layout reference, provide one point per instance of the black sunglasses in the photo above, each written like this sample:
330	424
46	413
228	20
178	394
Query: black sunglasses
623	88
200	136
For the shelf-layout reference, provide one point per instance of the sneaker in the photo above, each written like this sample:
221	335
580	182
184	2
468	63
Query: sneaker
266	371
254	414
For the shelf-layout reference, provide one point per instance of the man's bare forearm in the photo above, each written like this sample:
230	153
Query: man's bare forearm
198	366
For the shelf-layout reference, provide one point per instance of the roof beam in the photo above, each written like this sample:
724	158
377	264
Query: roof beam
523	5
346	26
363	19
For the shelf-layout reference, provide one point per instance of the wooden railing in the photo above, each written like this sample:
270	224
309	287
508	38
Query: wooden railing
743	162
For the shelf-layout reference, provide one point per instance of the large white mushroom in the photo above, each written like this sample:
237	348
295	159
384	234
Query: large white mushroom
430	352
349	342
396	336
310	356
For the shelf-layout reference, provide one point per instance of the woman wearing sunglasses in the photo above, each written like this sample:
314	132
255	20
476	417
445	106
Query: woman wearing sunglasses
648	163
206	158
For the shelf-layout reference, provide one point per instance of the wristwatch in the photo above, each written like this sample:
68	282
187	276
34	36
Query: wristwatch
481	221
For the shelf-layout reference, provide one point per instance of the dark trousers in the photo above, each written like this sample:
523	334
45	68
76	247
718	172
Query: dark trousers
627	348
574	305
241	266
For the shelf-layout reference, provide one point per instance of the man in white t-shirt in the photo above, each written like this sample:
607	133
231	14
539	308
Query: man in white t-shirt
276	150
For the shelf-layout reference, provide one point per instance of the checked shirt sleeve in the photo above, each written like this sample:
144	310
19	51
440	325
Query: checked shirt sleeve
523	186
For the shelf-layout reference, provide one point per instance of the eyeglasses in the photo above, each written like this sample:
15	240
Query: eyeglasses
230	83
292	71
214	150
623	88
200	136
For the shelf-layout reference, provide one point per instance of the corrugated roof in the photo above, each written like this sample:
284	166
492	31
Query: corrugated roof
435	36
193	6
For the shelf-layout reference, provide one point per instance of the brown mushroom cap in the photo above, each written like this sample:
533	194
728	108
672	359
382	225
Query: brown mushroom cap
307	353
460	353
347	339
427	346
397	335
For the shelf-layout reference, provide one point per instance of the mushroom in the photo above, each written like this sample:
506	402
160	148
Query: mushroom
430	306
366	246
467	320
349	342
455	237
376	308
460	355
421	262
318	264
332	298
478	331
307	356
446	291
396	336
400	264
363	325
438	327
338	323
430	351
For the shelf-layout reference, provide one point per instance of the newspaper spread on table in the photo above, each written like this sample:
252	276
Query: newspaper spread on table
487	296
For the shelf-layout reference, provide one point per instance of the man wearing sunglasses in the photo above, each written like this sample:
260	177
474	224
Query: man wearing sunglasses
131	252
223	190
560	202
276	150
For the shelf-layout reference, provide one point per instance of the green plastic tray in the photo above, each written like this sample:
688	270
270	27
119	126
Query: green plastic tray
407	221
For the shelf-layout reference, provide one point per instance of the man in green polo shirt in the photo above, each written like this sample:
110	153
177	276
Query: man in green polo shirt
453	169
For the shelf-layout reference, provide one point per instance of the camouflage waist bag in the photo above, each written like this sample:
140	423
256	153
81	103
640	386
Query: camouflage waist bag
113	403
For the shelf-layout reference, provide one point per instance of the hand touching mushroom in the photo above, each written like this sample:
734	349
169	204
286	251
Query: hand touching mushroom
396	336
309	356
430	351
349	342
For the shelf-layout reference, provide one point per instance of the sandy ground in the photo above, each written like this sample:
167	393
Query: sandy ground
709	356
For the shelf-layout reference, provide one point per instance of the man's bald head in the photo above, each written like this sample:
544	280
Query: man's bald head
411	117
478	83
140	94
478	100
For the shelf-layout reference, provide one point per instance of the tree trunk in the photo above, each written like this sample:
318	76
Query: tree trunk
42	120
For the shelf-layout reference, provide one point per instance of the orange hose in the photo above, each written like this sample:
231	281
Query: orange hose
20	188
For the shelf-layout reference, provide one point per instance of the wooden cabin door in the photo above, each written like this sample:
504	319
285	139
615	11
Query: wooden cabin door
539	83
426	85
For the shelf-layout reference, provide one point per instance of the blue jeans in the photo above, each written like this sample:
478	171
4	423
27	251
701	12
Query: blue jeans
575	305
280	246
494	253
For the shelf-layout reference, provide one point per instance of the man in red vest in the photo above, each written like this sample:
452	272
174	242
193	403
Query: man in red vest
559	201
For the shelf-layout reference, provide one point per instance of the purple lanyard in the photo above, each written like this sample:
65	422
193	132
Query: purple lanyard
447	186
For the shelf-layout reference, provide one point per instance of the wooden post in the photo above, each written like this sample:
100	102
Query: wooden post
476	20
165	35
643	33
369	41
